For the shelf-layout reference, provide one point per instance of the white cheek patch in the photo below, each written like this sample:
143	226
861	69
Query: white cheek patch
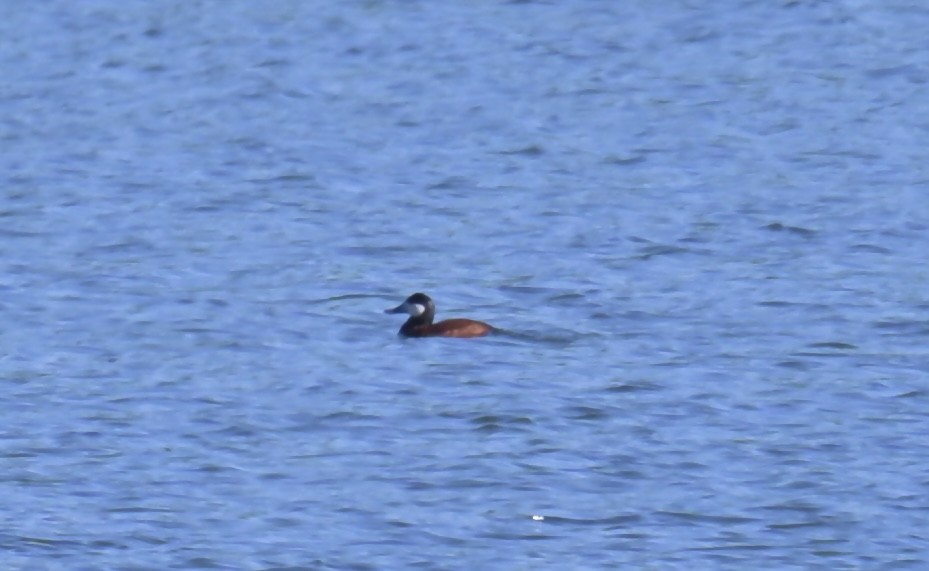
416	309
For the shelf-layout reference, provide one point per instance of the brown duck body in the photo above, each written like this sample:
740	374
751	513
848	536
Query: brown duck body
458	327
421	310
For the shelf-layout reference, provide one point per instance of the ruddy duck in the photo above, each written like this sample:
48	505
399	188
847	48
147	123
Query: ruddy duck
422	312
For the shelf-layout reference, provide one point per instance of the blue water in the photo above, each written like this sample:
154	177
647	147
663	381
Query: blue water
704	226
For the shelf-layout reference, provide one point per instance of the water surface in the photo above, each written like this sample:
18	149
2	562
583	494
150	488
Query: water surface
704	227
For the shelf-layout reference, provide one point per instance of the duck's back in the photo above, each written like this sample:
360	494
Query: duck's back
458	327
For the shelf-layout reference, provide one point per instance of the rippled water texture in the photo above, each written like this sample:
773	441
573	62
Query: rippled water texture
702	225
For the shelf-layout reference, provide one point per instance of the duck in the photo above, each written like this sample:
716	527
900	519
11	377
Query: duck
421	310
